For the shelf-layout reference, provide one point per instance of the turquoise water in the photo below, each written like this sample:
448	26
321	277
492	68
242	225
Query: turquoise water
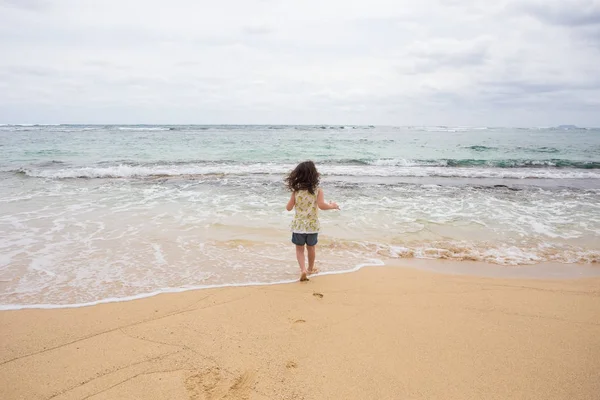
189	146
105	212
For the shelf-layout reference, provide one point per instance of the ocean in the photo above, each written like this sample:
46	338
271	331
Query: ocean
93	213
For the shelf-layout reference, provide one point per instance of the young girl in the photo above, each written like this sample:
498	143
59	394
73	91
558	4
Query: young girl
306	197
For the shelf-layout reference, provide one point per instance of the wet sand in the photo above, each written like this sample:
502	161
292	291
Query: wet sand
379	333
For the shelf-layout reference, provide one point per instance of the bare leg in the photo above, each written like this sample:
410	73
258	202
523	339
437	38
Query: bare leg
301	262
312	252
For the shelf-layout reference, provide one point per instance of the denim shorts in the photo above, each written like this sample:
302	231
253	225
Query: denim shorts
301	239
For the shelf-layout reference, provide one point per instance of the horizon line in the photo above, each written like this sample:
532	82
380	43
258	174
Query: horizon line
565	126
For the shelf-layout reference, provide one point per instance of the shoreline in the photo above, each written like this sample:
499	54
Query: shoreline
544	270
382	332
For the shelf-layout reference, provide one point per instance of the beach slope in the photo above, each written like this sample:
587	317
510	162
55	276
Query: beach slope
380	333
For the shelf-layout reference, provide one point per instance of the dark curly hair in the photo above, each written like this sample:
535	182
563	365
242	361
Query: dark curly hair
304	177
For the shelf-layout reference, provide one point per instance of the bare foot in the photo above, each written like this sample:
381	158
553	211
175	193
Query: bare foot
313	271
303	277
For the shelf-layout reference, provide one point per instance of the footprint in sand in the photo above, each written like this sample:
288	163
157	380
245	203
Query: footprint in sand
317	294
291	365
211	385
299	321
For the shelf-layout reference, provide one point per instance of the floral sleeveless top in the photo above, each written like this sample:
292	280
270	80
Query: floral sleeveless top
306	219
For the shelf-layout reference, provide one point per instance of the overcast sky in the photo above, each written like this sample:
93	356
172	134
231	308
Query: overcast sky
381	62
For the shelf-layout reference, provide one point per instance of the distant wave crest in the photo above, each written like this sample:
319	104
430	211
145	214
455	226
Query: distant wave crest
511	169
144	128
468	162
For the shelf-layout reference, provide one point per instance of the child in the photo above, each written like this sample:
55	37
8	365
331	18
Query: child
306	197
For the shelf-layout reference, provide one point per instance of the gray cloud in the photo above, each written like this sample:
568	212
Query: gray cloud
25	4
258	30
434	55
516	87
27	71
372	62
575	13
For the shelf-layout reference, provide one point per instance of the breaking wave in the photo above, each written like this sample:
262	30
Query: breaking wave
355	168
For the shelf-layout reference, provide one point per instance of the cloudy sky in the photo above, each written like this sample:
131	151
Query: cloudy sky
386	62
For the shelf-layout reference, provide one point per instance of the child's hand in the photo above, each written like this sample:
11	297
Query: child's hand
334	205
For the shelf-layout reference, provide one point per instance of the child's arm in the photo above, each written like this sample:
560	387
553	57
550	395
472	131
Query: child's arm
332	205
291	203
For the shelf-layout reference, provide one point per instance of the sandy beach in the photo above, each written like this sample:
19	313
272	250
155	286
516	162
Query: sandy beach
379	333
